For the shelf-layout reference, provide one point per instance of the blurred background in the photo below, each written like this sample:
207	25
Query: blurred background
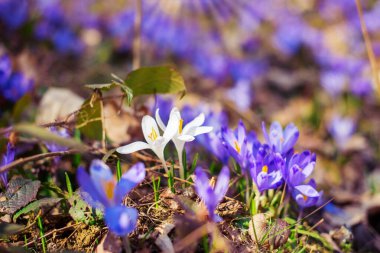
286	60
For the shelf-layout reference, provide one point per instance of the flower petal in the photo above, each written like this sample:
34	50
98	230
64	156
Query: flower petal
92	195
133	147
121	220
202	184
196	122
172	127
222	184
129	180
159	120
186	138
202	130
149	125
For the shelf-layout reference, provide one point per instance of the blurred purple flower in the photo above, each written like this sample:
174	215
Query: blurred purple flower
241	90
13	13
5	69
16	86
333	82
341	129
282	141
209	195
6	158
52	146
266	169
101	190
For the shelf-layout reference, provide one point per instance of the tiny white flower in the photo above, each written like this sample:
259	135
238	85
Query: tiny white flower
184	134
154	140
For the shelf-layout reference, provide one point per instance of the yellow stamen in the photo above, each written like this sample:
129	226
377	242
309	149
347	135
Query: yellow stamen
305	197
264	169
237	146
282	140
153	135
109	188
180	126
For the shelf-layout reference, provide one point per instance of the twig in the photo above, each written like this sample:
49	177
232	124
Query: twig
36	157
368	45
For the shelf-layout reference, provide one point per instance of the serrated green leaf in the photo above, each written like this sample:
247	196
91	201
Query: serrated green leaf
20	198
151	80
36	205
45	135
89	118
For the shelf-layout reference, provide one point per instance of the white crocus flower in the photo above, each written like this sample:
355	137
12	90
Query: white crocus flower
154	140
184	134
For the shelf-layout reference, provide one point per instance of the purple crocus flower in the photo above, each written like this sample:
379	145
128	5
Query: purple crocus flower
341	129
238	144
16	86
52	146
298	168
6	158
101	190
306	195
266	168
5	69
209	195
282	141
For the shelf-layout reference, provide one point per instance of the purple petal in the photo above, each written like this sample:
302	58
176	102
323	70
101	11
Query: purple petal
121	220
128	181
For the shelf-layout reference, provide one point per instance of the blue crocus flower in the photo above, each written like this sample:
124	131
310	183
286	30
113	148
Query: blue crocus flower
6	158
5	69
238	144
101	190
209	195
299	168
14	13
266	168
52	146
306	195
16	86
282	141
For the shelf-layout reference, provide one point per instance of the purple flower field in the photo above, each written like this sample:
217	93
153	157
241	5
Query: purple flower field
189	126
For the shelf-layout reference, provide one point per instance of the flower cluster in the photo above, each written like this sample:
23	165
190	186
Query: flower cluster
13	84
175	131
272	163
101	190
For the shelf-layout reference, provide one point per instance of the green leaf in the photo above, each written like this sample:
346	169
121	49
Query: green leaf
151	80
20	107
23	196
10	228
36	205
45	135
89	118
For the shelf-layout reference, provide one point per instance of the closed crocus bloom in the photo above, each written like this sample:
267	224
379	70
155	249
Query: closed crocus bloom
306	195
341	129
299	168
101	190
185	133
209	195
281	140
154	140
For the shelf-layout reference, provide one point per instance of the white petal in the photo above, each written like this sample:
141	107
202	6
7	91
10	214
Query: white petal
172	127
148	124
159	120
133	147
196	122
186	138
202	130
